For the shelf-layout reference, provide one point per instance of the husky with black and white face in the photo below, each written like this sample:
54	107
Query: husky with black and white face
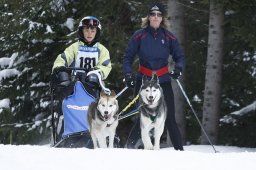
153	112
103	120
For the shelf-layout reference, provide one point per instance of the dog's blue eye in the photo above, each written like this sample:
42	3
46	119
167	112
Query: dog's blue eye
110	105
103	105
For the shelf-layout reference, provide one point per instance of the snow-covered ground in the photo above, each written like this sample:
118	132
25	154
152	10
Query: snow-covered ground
195	157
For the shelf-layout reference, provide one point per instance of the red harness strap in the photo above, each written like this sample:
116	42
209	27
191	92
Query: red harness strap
148	72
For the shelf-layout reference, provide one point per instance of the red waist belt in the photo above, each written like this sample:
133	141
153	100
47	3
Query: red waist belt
148	72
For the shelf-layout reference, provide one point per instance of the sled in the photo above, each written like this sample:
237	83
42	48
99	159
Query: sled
75	109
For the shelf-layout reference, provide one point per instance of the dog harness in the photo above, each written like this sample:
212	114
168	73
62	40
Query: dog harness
148	72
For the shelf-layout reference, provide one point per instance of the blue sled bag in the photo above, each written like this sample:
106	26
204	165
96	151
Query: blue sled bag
75	110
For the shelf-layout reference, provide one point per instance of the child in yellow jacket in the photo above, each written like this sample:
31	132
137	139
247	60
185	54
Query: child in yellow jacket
88	52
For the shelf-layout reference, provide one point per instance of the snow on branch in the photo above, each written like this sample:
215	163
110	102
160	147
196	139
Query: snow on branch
4	62
230	118
8	73
5	103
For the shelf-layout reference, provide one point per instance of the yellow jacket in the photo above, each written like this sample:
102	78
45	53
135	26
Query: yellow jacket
69	56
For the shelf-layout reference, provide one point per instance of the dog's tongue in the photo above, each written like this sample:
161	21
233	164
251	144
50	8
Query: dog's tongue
150	101
106	117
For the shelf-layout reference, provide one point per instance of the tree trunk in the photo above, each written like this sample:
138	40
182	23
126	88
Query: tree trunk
177	27
212	91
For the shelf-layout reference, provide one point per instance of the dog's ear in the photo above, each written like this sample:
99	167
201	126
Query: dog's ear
102	93
155	78
144	79
113	93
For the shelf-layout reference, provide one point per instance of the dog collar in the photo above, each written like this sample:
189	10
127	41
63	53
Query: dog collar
152	117
101	117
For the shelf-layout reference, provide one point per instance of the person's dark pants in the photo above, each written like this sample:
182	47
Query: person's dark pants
170	122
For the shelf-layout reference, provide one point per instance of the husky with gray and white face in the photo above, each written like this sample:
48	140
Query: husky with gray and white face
103	120
153	112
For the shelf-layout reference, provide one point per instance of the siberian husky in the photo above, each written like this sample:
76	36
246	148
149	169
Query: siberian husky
153	112
103	120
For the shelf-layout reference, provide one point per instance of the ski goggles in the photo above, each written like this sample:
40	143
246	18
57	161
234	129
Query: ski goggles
90	22
153	14
90	26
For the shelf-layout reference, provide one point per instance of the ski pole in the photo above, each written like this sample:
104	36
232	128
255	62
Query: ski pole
184	94
53	119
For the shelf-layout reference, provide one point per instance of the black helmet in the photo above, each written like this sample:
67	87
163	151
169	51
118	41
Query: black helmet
89	21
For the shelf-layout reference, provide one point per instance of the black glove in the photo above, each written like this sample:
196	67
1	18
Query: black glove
59	69
129	80
60	76
176	73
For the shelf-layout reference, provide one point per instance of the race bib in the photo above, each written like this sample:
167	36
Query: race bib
87	57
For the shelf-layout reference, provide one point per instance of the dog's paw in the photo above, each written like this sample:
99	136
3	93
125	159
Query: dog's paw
156	147
104	146
149	147
111	145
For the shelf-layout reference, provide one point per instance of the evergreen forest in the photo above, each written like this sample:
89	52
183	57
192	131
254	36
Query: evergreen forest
34	32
